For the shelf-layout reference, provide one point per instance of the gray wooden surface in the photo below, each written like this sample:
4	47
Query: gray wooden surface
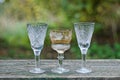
19	70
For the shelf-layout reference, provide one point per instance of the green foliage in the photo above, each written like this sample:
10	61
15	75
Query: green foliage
117	50
105	51
15	14
101	51
97	51
16	35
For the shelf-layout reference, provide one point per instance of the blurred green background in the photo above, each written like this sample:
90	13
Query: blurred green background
15	14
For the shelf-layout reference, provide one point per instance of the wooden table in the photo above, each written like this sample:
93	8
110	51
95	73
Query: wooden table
19	70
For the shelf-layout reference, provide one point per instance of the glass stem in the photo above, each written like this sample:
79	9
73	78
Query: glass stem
37	53
36	61
84	52
83	60
60	59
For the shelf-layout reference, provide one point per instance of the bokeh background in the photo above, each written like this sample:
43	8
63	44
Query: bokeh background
15	14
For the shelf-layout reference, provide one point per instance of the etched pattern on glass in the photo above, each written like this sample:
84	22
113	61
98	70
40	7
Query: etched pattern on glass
84	33
36	34
60	42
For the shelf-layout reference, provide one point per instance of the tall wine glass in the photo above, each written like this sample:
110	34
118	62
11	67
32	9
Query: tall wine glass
60	42
84	31
37	33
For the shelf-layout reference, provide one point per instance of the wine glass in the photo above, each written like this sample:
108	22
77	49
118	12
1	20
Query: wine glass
60	42
37	33
84	31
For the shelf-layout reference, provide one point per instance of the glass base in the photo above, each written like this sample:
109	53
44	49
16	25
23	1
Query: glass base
37	70
60	70
83	70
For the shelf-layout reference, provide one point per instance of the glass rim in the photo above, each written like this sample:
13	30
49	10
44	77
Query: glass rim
60	30
39	23
84	23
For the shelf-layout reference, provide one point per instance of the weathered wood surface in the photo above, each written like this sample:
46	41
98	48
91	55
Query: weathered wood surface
19	70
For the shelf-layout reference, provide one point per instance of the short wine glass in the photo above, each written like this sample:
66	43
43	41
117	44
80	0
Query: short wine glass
60	42
37	33
84	31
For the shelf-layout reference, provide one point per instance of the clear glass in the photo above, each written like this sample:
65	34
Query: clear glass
84	31
37	33
60	42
